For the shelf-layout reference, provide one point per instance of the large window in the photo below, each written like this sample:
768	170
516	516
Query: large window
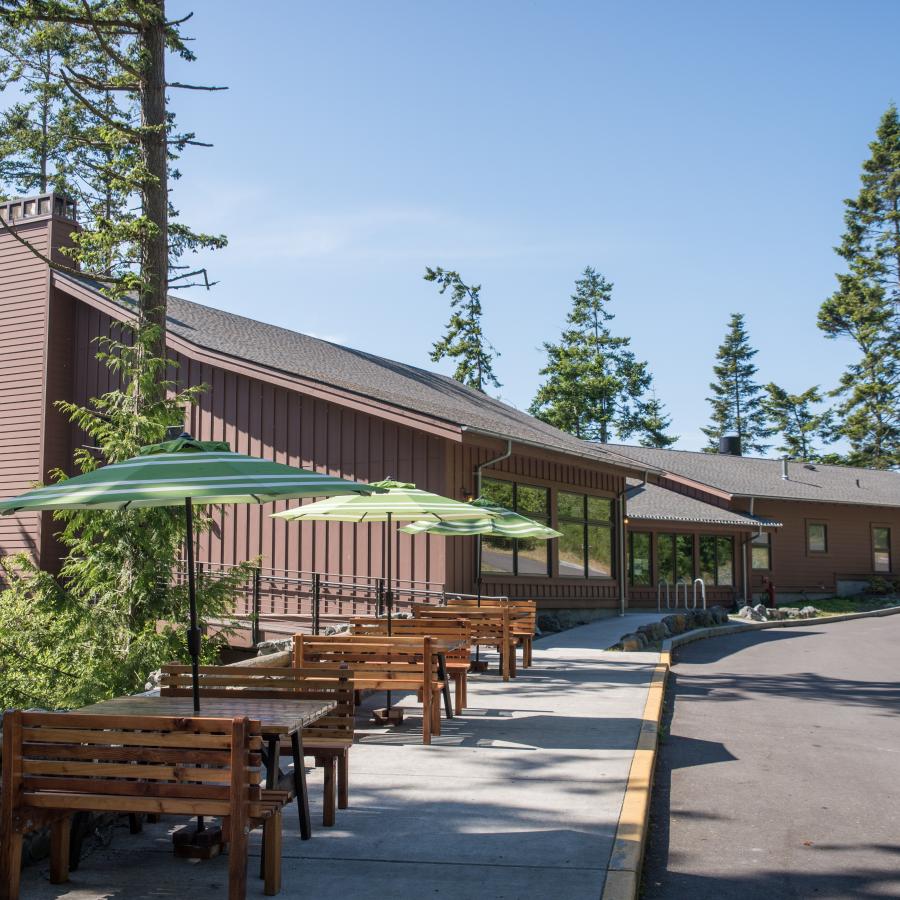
816	537
639	559
717	560
586	545
761	552
881	548
523	556
676	557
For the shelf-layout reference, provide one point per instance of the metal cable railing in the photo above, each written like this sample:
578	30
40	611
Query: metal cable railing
285	601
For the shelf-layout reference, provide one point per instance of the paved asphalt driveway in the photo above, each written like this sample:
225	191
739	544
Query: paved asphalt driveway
780	776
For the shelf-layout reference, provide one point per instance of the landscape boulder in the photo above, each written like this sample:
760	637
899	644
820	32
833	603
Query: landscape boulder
655	631
808	612
719	615
548	623
633	642
267	648
675	623
750	612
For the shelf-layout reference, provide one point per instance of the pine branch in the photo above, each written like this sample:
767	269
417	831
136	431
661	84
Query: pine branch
101	114
195	87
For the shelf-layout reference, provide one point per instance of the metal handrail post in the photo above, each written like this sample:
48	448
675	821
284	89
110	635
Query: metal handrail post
254	628
316	598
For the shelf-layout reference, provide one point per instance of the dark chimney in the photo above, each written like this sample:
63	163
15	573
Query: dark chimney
730	445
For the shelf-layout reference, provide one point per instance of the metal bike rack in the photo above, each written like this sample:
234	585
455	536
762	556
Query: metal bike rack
659	585
702	584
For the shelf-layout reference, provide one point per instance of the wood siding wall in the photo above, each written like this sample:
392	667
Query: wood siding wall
849	555
23	337
537	468
261	419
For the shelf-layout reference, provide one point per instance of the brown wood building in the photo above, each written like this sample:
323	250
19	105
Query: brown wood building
813	529
306	402
303	401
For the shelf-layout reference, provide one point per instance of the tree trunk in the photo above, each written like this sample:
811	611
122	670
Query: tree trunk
155	259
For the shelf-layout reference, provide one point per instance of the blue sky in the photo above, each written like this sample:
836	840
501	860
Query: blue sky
695	153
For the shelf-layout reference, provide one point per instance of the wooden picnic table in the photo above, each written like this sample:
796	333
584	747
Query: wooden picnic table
277	717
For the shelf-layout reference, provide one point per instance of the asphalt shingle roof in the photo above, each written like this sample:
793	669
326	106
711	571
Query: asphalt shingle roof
364	374
746	476
647	501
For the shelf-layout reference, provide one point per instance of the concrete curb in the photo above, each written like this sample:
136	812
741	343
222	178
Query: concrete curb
623	874
699	634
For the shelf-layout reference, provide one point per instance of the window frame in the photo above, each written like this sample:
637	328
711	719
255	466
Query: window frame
768	536
717	559
586	523
671	537
813	523
631	536
890	550
544	520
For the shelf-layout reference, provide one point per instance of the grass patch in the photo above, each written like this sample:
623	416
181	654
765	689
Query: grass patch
839	606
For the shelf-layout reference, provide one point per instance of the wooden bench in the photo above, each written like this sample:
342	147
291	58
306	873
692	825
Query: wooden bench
522	615
382	664
451	631
327	740
490	627
55	764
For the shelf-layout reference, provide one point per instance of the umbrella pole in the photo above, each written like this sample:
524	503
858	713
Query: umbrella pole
389	595
194	632
478	586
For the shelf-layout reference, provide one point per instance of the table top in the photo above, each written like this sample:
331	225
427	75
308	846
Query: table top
276	716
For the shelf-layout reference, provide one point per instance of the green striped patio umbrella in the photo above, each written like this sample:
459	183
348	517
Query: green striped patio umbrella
189	472
507	524
396	501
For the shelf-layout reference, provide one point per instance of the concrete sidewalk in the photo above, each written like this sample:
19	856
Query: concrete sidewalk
518	798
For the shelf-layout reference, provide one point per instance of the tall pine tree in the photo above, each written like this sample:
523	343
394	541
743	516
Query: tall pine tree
33	136
736	399
593	384
115	125
463	338
798	424
866	306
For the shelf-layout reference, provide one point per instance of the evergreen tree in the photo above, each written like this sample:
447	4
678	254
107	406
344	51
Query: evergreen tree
32	136
655	424
464	339
797	423
113	615
114	114
866	306
736	402
594	385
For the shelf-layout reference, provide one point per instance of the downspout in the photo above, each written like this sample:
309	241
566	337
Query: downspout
478	468
623	575
744	562
491	462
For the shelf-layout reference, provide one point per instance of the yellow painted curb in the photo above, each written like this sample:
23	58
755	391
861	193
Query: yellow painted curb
623	874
